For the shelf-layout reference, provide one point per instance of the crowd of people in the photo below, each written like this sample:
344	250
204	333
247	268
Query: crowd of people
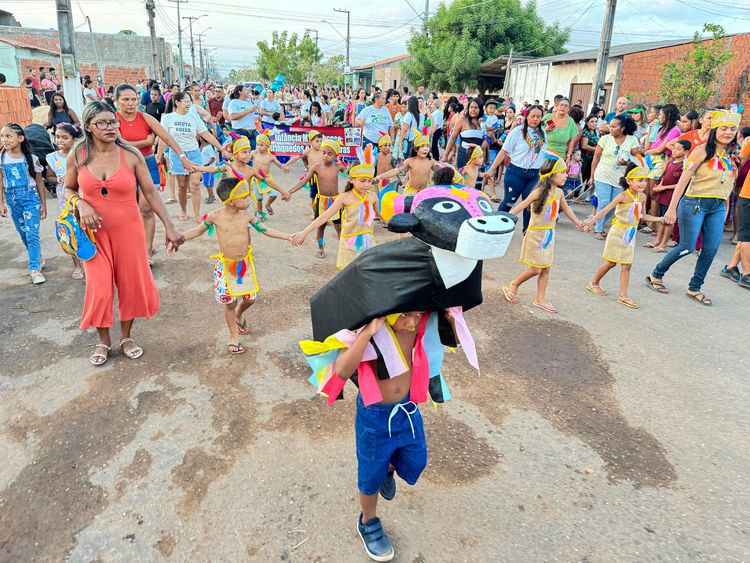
678	178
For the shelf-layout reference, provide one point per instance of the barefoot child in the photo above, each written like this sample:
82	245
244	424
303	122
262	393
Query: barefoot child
24	193
358	207
538	248
65	135
235	283
208	152
311	156
619	247
327	175
384	161
419	165
663	192
241	162
262	160
470	171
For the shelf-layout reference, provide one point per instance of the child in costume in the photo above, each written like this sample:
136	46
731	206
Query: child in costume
240	167
619	247
384	161
208	152
357	207
663	192
311	156
262	160
23	190
446	175
471	171
419	165
235	282
395	358
547	200
65	135
327	178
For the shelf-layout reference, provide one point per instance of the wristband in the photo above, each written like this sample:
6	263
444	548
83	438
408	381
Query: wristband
182	155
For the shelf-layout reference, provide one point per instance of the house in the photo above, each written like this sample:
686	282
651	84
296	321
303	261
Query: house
633	70
118	58
384	74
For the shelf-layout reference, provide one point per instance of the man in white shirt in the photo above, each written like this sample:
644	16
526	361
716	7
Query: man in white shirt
242	114
376	121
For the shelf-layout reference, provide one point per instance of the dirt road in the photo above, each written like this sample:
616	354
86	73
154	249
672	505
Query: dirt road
599	434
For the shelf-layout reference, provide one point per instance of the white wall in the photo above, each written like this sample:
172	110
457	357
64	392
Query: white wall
530	81
8	64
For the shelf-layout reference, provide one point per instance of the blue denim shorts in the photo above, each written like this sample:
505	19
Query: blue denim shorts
153	169
388	433
175	164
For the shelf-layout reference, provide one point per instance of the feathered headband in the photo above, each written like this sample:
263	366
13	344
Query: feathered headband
420	140
366	166
384	140
559	166
641	171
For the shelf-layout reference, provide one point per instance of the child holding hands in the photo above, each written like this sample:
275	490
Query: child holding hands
538	248
235	283
619	247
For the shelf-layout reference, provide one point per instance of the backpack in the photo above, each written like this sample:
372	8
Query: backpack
41	144
72	238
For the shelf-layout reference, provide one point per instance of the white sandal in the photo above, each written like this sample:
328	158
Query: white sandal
135	352
97	358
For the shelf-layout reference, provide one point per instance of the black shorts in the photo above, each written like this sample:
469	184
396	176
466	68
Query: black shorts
743	215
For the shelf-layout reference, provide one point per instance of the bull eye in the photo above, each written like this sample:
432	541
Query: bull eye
485	206
446	207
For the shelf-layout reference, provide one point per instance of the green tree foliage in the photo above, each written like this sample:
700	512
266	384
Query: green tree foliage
465	34
690	82
126	32
240	75
329	72
289	55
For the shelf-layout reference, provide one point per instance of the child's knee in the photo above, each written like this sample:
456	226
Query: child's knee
536	271
248	300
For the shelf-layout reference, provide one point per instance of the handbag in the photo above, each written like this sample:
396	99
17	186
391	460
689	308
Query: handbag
72	238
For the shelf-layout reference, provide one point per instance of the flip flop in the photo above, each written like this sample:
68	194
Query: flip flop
235	349
596	289
599	236
135	352
545	307
77	274
700	298
649	245
656	285
182	216
243	328
628	302
270	211
510	297
495	199
320	253
97	358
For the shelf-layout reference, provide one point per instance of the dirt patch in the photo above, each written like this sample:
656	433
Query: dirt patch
198	470
137	469
455	456
314	417
553	368
166	544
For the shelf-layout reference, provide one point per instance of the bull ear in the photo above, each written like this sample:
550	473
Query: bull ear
403	223
407	203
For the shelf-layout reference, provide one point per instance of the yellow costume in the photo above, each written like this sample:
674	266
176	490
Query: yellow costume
234	278
620	244
321	203
538	248
356	230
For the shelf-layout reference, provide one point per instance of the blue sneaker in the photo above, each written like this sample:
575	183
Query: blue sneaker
388	488
744	281
377	546
731	273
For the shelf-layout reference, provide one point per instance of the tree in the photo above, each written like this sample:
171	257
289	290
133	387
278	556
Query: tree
288	55
126	32
466	34
244	74
690	82
329	72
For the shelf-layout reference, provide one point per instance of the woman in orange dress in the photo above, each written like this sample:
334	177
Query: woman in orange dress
104	171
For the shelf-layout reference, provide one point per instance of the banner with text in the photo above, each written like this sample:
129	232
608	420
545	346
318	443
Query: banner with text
291	140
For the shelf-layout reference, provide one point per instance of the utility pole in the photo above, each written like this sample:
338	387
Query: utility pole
99	69
192	45
602	58
348	34
181	71
308	30
71	76
151	9
426	16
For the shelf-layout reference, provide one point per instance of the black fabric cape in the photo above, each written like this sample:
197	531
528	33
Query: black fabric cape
395	277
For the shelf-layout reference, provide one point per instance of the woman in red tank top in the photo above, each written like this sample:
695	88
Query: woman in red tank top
141	130
103	170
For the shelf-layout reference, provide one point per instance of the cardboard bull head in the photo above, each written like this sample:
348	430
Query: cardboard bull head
440	266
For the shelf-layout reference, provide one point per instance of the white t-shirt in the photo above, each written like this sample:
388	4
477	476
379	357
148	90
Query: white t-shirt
521	154
208	152
12	175
184	128
614	159
247	122
271	107
411	122
437	119
305	109
88	94
377	122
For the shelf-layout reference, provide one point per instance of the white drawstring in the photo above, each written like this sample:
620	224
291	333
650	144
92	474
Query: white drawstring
402	406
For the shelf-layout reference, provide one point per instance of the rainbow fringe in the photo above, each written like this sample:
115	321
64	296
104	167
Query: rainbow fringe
358	243
552	211
238	269
628	236
549	236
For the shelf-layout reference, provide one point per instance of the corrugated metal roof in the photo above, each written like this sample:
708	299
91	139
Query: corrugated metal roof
383	62
614	52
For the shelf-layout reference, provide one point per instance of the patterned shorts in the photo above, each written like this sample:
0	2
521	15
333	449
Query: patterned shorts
221	290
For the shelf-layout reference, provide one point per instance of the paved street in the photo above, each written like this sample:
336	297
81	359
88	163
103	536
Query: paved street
599	434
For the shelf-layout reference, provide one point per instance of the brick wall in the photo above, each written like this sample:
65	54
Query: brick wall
14	106
26	64
641	73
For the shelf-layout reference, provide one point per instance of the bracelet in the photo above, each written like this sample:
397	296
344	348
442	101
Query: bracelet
182	155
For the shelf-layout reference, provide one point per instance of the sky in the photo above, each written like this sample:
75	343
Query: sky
378	29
